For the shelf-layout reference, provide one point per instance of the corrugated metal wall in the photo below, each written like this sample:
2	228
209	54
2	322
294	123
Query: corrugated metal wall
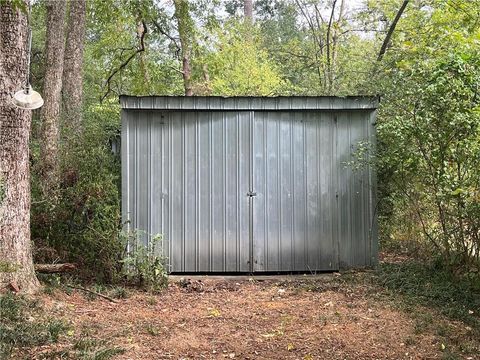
234	189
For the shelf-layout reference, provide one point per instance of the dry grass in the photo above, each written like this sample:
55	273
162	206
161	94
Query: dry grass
358	315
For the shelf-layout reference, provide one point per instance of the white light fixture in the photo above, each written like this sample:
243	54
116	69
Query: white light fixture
27	98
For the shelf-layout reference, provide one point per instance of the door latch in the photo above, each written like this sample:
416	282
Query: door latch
251	193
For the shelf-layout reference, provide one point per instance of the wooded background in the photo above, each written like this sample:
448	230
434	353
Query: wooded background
422	56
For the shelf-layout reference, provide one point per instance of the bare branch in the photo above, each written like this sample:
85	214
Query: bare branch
177	70
92	292
140	49
166	34
383	49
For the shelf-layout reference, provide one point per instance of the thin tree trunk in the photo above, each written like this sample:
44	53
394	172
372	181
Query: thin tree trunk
248	10
185	32
52	87
16	265
73	66
336	31
329	59
386	42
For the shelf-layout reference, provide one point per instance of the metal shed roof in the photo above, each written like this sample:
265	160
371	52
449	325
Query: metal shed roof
249	103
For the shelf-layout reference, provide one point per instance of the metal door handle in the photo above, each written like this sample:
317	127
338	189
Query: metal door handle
251	194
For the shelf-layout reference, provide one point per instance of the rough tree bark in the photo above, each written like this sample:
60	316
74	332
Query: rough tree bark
73	66
185	32
248	10
52	87
16	265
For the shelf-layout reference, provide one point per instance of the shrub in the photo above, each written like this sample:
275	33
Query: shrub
429	156
144	265
82	222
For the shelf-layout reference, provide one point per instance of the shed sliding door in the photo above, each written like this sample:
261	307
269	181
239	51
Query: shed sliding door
293	177
207	177
234	191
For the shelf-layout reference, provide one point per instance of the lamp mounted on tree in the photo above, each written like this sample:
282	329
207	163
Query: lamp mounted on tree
27	98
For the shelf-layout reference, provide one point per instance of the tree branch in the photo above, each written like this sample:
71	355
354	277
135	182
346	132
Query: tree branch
92	292
126	62
55	268
170	37
383	49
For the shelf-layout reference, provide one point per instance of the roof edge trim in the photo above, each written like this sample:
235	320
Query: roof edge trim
207	103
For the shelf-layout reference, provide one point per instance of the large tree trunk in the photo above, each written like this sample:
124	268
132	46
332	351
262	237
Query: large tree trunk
185	32
16	265
248	10
73	66
52	87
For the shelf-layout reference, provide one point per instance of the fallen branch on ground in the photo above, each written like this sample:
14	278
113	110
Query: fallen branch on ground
92	292
54	268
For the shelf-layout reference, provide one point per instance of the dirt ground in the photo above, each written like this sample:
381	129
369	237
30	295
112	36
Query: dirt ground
318	318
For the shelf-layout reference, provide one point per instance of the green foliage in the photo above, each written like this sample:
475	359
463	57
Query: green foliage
16	4
8	267
427	290
428	133
83	225
239	66
430	137
144	265
112	38
295	36
89	348
23	325
433	286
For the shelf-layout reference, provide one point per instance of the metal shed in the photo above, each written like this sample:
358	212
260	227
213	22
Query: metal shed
249	184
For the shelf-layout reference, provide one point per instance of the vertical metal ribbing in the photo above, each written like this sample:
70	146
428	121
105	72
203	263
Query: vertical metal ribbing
197	191
372	234
349	189
292	167
373	194
238	197
333	188
279	195
224	183
149	178
364	202
251	185
135	186
210	185
320	228
369	199
170	197
184	188
336	219
162	184
265	195
351	216
126	181
305	185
